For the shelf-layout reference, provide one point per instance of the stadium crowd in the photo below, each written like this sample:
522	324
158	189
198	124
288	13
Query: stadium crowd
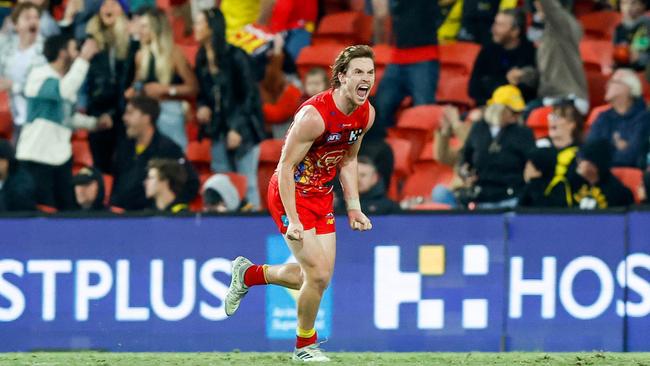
181	105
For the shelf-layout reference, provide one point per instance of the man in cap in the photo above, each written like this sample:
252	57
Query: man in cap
89	189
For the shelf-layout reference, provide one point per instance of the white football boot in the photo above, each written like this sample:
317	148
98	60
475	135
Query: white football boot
237	289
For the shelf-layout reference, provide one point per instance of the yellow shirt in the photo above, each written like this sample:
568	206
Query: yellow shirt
238	13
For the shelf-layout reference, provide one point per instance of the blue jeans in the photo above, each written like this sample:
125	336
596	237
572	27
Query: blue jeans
296	40
419	80
442	194
171	122
245	165
508	203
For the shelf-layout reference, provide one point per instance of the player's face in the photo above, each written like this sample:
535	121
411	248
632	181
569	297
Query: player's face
359	79
145	30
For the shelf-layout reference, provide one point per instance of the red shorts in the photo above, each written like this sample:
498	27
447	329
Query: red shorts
314	211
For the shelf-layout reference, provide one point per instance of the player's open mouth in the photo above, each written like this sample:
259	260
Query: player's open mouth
33	29
362	91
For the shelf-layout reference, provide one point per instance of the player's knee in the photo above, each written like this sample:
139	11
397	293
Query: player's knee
320	278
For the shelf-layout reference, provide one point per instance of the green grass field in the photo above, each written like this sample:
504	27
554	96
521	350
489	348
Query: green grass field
338	358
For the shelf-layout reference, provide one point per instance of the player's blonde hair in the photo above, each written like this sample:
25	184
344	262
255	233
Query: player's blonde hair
343	60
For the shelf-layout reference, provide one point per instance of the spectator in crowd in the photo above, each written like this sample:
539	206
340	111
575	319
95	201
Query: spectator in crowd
542	189
89	189
633	35
44	143
110	72
445	153
164	185
559	63
138	5
414	67
645	188
229	106
17	189
494	154
281	98
478	16
19	53
220	195
564	135
625	125
163	73
48	26
240	13
372	191
502	61
143	144
298	20
77	14
5	9
594	186
315	82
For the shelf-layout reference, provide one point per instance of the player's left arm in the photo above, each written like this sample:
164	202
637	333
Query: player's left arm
348	176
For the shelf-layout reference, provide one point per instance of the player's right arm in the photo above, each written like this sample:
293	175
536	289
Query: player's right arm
308	125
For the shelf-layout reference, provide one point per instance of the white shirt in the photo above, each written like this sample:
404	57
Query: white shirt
17	69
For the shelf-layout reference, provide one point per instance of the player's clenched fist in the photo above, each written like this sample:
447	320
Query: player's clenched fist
295	231
359	221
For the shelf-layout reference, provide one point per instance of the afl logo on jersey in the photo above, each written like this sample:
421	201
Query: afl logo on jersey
354	135
334	137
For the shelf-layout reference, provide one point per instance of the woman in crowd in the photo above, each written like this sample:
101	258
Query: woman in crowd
229	106
110	72
163	73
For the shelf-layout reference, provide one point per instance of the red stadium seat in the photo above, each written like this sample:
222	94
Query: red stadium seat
594	114
6	120
317	56
538	121
417	124
401	149
108	187
350	27
454	89
189	51
270	151
458	57
597	55
80	135
596	84
382	59
430	206
632	178
200	155
427	173
600	25
81	155
240	182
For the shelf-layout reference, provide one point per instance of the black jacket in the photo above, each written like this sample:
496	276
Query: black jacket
131	170
499	162
492	65
106	84
233	97
18	191
538	193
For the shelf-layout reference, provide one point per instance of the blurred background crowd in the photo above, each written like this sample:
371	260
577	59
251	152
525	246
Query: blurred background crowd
181	105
